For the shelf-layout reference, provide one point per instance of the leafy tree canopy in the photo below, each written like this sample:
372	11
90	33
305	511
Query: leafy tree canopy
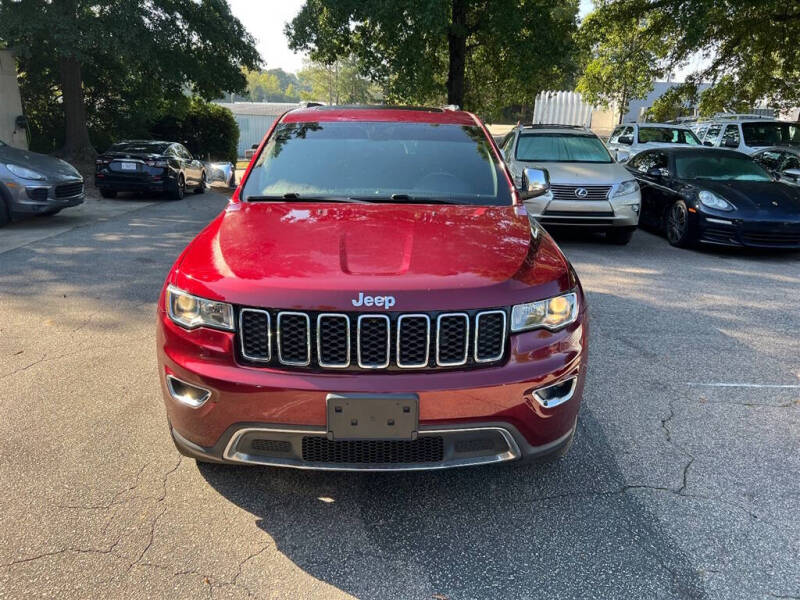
482	54
750	46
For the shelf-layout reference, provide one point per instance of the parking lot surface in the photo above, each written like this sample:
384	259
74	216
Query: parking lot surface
682	482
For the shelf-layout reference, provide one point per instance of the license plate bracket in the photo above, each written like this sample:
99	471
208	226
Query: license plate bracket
372	416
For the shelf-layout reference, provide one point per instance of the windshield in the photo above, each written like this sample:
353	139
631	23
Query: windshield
374	161
771	134
557	147
140	147
727	167
667	135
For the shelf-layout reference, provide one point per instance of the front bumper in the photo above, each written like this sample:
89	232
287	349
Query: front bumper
720	231
478	416
622	211
32	198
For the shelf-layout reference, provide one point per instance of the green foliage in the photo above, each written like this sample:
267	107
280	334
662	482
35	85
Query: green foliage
623	61
207	130
750	46
675	102
338	83
273	85
514	48
138	58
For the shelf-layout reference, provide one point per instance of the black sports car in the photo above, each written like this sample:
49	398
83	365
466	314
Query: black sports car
715	196
148	166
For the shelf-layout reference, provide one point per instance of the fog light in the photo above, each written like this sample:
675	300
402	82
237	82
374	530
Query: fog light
186	393
556	394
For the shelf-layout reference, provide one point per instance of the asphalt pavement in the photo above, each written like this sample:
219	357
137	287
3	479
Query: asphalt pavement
683	481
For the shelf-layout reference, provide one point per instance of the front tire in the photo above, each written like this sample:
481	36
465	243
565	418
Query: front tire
202	187
678	229
620	235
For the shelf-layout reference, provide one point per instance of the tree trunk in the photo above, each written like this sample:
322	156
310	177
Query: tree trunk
76	139
457	43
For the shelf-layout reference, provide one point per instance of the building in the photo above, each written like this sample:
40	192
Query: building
254	120
13	130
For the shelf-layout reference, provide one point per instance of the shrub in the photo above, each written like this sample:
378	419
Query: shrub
208	130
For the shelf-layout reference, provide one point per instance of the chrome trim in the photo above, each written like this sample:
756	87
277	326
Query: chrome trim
191	402
319	341
719	221
477	335
512	453
427	338
388	342
552	403
466	341
269	335
308	339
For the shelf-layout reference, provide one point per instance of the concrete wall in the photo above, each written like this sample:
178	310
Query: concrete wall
10	102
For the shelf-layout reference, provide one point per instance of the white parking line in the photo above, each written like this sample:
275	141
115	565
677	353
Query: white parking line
748	385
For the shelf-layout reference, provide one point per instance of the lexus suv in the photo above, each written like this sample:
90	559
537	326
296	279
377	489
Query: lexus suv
374	297
588	188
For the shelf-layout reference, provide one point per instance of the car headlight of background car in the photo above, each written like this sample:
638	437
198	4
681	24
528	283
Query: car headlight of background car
553	313
192	311
626	187
24	173
711	200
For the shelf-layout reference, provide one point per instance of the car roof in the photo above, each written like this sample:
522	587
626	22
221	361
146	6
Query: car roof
398	114
664	125
560	129
143	142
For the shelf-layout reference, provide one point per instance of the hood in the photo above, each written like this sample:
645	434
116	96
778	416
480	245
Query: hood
323	256
583	173
766	197
49	166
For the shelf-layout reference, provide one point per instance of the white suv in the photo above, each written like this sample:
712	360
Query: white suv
629	139
752	135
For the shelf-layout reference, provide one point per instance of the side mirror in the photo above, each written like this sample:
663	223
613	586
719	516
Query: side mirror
535	182
791	174
622	156
731	144
707	143
658	172
625	139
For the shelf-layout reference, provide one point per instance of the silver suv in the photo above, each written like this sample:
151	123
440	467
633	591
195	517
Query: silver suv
751	135
629	139
587	187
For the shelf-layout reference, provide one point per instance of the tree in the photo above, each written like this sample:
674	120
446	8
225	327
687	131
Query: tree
207	130
338	83
624	60
94	52
473	53
750	46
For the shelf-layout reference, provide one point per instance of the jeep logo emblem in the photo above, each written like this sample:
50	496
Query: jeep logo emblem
581	192
386	302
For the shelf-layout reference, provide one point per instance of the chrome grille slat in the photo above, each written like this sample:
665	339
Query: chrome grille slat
567	192
367	341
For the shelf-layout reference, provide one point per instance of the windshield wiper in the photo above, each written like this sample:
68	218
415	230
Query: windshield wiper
405	199
295	197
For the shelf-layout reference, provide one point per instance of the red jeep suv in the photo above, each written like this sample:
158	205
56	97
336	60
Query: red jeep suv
374	297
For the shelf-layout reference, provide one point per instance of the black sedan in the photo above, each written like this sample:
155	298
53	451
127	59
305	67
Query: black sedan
715	196
148	166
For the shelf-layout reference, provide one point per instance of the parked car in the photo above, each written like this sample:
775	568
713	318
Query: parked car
783	161
374	297
588	188
627	140
149	166
220	172
36	184
715	196
751	135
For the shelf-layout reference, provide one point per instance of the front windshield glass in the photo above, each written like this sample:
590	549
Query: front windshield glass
558	147
667	135
771	134
140	147
719	167
374	161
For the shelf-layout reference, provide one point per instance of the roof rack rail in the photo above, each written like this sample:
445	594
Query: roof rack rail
554	126
722	116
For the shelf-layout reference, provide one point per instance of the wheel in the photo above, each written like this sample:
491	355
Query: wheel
108	193
4	216
180	189
677	225
232	180
620	235
202	187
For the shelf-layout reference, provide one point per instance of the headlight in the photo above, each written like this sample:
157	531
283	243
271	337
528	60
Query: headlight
190	311
24	173
552	314
711	200
627	187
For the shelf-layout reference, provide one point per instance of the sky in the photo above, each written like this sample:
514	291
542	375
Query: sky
265	21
